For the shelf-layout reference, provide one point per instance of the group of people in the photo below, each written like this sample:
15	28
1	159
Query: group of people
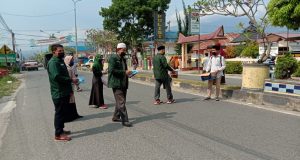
62	79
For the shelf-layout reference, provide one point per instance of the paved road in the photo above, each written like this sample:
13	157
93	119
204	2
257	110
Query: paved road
191	129
233	80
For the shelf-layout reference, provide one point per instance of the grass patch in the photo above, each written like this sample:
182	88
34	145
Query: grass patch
7	89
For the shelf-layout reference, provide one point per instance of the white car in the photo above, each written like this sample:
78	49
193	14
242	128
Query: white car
31	65
88	64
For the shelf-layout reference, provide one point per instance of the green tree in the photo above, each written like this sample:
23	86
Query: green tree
285	66
39	57
251	50
284	13
103	41
237	51
297	72
240	8
132	19
183	25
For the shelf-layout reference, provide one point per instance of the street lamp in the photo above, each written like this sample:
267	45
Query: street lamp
76	42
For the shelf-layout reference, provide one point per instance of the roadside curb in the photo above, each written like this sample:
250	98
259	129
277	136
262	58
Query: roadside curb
267	100
8	104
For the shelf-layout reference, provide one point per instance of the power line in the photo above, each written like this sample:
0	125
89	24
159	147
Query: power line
2	21
37	16
31	35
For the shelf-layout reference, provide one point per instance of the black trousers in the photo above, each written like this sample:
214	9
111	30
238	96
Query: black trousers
120	108
59	114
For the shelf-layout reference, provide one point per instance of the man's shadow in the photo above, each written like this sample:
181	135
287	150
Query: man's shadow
183	100
96	115
111	127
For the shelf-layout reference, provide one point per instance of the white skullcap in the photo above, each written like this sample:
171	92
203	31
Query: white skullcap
121	45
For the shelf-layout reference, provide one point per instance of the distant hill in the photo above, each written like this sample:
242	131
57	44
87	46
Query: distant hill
210	24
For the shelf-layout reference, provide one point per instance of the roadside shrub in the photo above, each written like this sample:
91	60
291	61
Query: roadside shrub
297	73
15	69
237	50
251	50
230	52
285	66
234	68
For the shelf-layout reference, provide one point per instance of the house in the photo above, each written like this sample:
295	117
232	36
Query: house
196	41
281	43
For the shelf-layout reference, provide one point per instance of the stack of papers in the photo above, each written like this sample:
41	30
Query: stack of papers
133	73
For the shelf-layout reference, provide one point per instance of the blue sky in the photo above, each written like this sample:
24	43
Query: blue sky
29	17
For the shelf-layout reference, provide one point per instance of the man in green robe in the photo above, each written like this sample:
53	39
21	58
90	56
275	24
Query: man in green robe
61	89
118	80
160	70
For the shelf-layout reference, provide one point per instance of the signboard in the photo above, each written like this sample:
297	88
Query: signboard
5	50
11	58
50	41
195	22
159	26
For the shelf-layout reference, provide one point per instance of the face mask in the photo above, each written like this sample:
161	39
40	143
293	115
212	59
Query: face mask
123	54
214	53
61	55
71	64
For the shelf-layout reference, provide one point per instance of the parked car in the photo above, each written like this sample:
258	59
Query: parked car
31	65
88	64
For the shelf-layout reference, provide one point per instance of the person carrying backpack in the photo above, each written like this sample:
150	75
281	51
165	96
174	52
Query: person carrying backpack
215	66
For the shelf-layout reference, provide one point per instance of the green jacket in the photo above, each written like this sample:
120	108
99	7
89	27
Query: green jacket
60	81
117	77
161	67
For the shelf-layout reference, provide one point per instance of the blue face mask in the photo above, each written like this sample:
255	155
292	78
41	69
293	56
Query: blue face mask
71	63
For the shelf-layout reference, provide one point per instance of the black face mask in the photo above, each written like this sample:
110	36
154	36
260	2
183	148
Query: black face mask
214	53
123	54
61	55
71	64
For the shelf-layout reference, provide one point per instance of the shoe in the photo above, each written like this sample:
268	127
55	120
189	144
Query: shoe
217	99
79	116
157	102
79	90
66	132
62	138
207	98
127	124
116	120
171	101
104	106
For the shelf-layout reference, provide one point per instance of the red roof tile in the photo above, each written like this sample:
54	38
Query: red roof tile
224	42
218	34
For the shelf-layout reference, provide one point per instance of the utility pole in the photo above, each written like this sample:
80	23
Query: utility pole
13	41
75	16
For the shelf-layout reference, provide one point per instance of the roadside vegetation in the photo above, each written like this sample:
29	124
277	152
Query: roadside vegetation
297	73
285	66
6	88
190	82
